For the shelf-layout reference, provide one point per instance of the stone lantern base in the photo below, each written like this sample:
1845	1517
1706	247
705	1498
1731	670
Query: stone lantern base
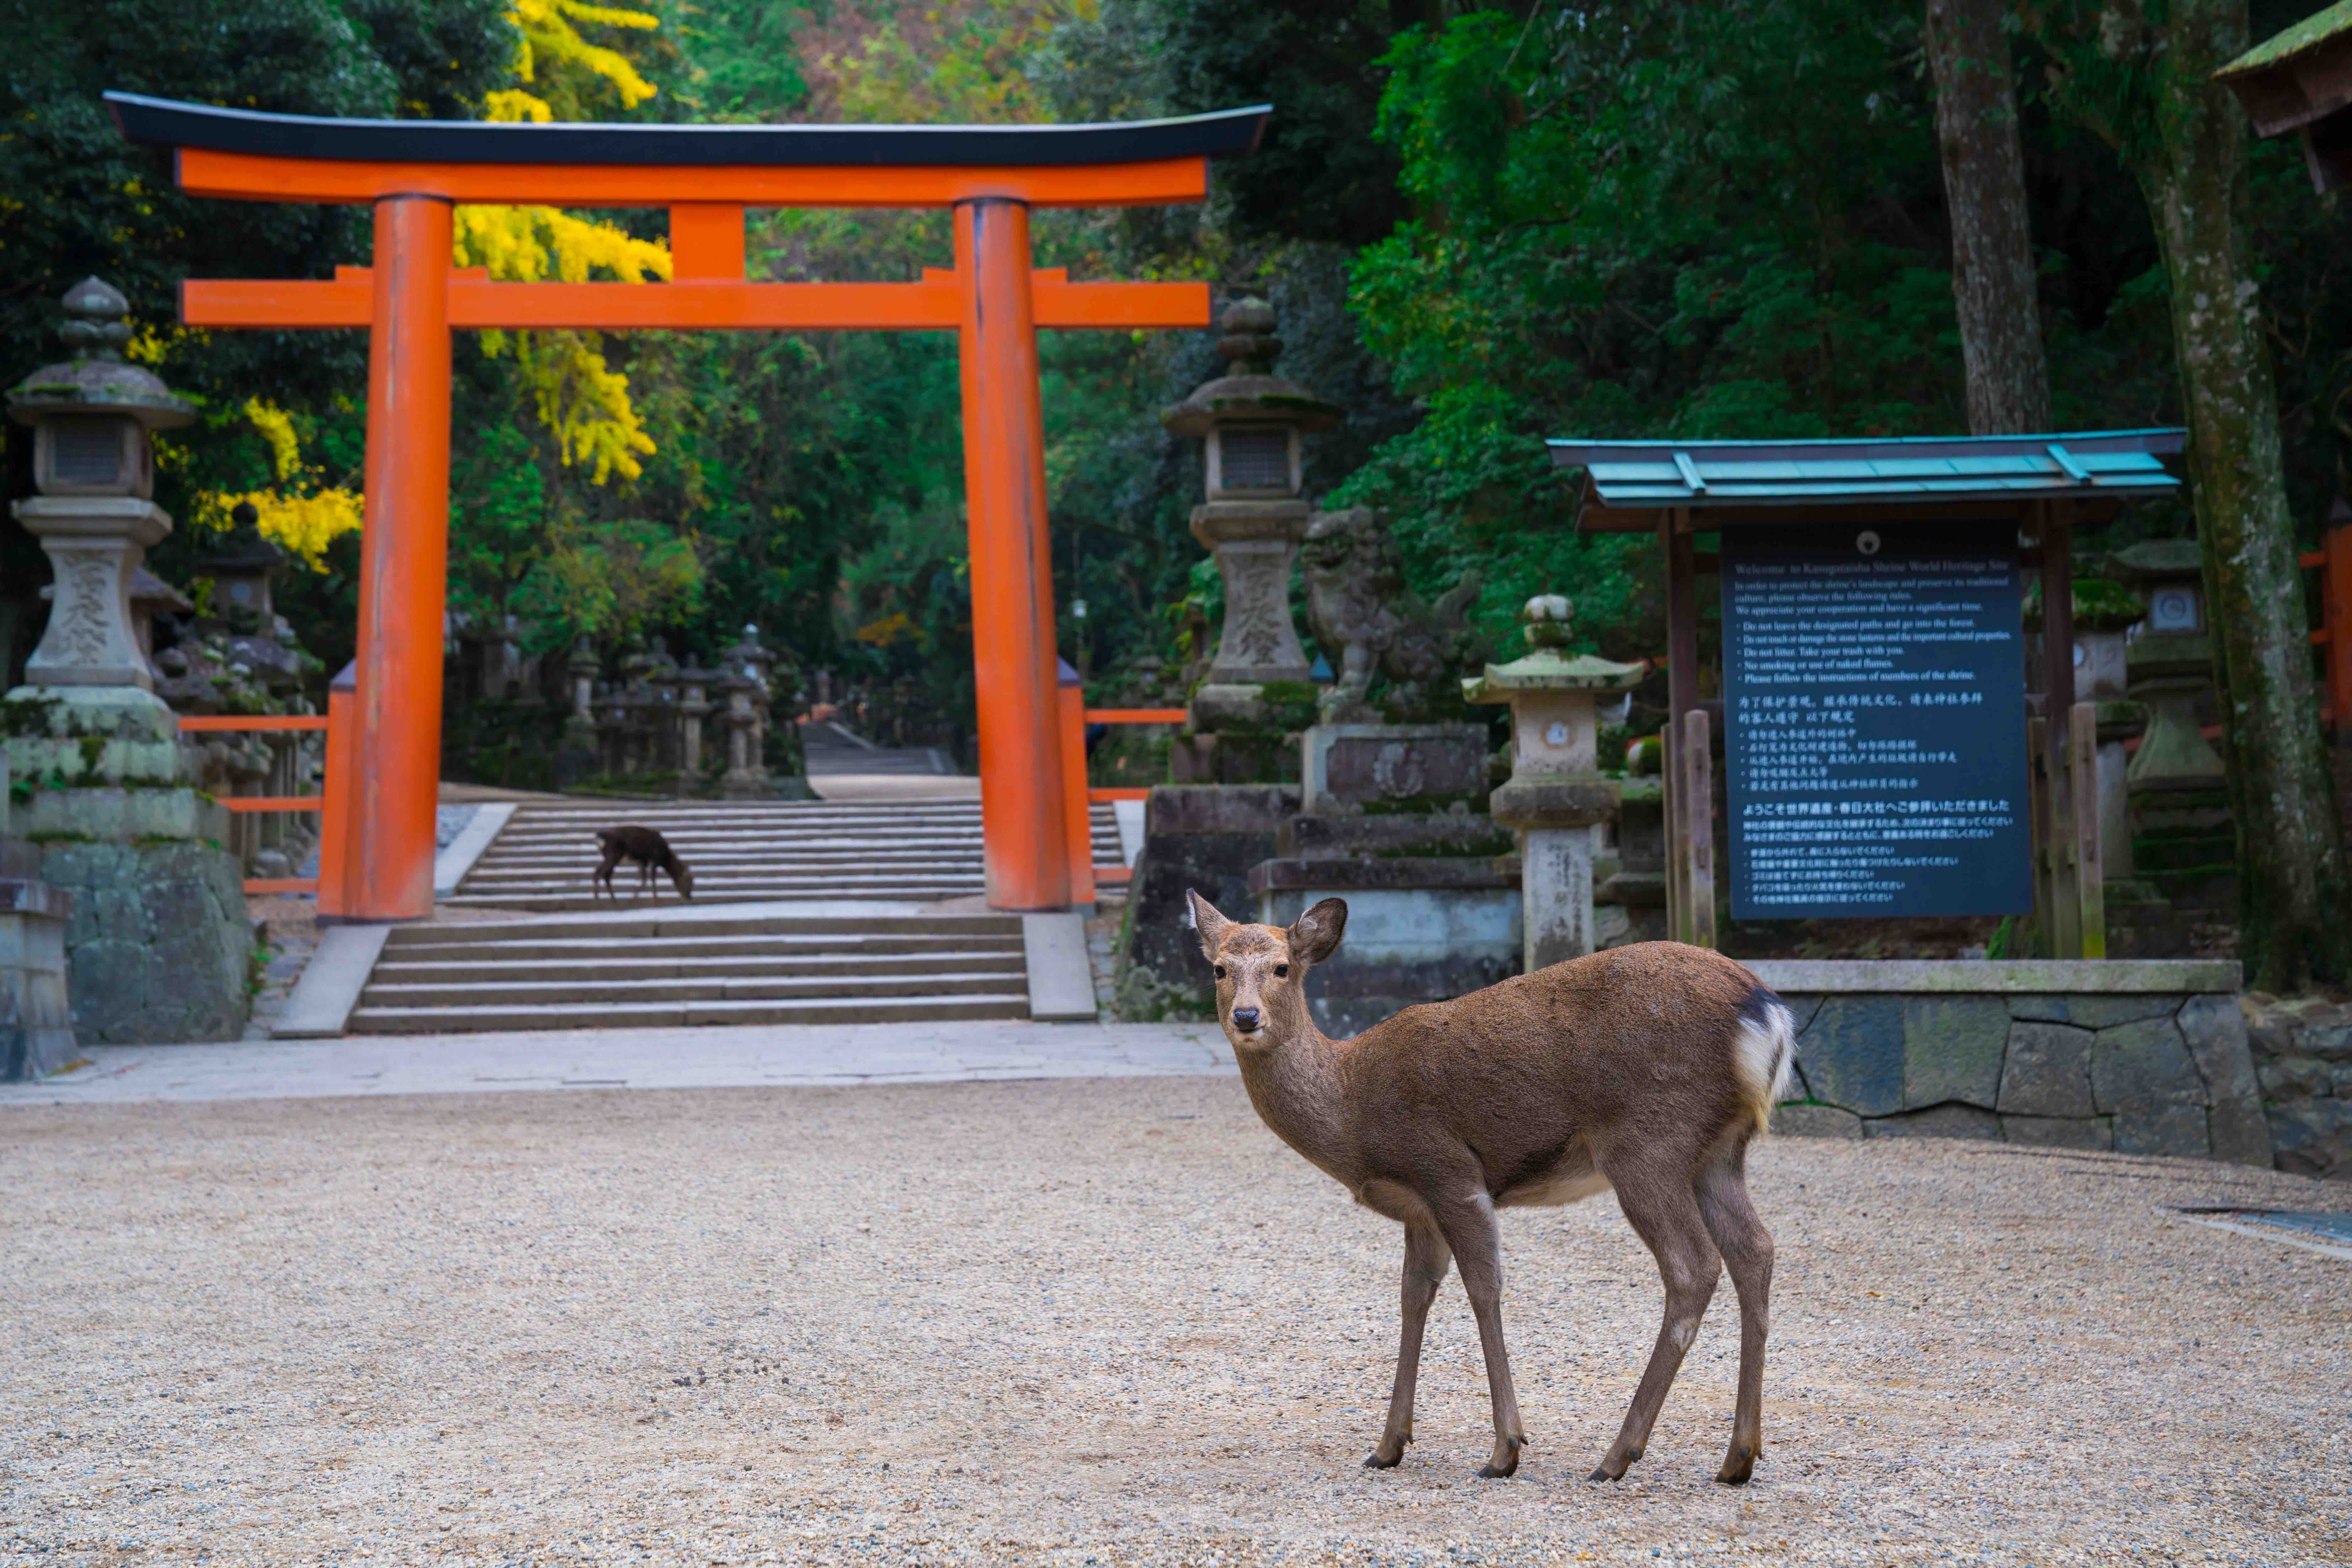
159	943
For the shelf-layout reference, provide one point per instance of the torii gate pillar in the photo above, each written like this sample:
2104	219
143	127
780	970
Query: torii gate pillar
1014	672
405	568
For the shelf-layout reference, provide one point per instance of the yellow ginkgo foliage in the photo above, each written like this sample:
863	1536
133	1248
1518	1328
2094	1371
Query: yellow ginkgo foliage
551	44
576	393
297	514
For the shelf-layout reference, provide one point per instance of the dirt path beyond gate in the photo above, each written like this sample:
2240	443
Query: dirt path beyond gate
1095	1322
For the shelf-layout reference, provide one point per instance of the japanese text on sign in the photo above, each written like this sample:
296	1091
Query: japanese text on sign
1874	720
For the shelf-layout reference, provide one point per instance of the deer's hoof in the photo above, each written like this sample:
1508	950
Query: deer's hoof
1738	1466
1612	1468
1487	1472
1378	1461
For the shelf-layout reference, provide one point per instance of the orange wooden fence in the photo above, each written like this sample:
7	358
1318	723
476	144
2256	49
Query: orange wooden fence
2333	561
1082	797
270	723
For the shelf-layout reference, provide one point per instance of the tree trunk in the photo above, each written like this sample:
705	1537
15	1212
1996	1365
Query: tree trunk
2191	165
1984	191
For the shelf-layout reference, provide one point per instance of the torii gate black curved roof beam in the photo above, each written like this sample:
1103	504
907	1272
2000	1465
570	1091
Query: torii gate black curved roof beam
161	122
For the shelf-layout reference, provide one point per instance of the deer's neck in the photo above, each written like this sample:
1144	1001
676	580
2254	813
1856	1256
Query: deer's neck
1299	1092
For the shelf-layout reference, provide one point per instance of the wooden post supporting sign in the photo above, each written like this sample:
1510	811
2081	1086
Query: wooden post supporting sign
2090	881
1696	853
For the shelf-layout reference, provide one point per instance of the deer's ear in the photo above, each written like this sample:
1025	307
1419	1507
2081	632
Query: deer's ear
1314	935
1211	925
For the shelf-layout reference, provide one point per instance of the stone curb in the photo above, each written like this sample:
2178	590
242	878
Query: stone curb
450	866
1061	977
322	1000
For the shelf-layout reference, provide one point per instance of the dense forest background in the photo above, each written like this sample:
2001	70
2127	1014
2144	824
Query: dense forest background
1482	225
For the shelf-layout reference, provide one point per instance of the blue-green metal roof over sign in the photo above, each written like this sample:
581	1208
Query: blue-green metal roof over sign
2118	465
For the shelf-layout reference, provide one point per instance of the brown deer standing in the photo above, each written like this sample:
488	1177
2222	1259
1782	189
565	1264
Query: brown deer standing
1647	1068
648	851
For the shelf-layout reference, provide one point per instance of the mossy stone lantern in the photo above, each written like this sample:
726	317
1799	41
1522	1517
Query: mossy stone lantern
2170	665
94	468
1555	793
2183	833
1256	513
243	571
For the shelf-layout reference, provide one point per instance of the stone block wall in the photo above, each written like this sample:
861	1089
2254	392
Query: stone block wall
2303	1059
2140	1072
159	948
1204	836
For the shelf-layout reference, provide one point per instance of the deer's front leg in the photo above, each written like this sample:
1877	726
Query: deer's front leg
1426	1258
1477	1242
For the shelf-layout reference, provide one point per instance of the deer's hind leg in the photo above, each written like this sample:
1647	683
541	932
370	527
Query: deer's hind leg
1426	1259
1659	1203
1731	1219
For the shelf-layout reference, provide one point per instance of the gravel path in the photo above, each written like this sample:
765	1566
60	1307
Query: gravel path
1106	1321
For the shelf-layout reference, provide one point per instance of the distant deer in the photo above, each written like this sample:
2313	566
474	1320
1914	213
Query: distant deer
650	851
1647	1068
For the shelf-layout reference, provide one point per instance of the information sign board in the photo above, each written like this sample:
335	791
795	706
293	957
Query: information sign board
1874	720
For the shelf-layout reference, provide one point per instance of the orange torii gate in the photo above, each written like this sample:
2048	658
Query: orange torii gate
412	173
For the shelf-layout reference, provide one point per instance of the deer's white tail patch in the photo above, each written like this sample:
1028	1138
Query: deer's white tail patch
1763	1052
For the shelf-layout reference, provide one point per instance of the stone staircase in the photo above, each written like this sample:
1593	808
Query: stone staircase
746	852
831	749
742	851
864	949
656	972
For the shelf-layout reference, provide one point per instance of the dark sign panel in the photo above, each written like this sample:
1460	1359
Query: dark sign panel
1874	717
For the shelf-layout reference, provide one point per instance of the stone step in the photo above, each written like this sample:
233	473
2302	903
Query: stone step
637	930
603	813
583	903
623	994
658	951
716	875
501	967
911	1009
736	856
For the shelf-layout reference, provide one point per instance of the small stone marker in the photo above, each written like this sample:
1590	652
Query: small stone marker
1555	793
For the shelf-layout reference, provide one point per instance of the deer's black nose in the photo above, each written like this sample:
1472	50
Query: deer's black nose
1245	1020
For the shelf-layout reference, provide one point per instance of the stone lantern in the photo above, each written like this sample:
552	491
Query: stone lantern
1256	513
162	951
2105	616
94	468
243	572
693	706
746	685
2183	833
2169	665
575	753
1555	794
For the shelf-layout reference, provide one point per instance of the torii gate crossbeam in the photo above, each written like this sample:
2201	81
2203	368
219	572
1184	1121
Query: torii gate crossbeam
413	172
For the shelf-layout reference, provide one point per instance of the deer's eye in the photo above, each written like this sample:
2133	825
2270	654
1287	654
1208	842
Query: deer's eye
1221	972
1282	970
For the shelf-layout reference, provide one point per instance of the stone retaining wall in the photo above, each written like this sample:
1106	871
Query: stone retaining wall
2302	1059
159	945
2143	1057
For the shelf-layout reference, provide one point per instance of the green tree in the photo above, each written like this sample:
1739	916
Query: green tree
2141	79
80	200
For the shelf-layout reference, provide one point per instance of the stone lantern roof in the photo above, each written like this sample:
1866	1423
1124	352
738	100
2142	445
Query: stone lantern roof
2158	561
97	379
1249	391
1549	666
